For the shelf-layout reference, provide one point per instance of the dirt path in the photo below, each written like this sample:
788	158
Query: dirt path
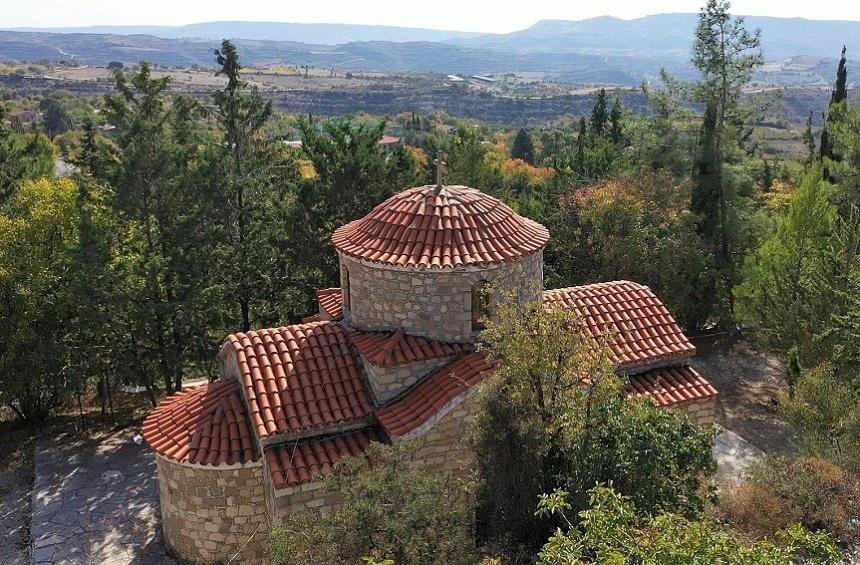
750	383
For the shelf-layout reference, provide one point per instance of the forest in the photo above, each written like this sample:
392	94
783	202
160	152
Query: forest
186	219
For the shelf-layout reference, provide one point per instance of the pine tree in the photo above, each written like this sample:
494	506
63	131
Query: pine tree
523	147
616	133
598	114
839	95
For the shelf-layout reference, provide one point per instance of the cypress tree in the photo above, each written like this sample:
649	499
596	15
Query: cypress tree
809	139
839	94
615	132
580	145
598	114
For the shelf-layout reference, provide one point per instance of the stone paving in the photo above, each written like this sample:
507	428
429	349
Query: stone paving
95	501
734	455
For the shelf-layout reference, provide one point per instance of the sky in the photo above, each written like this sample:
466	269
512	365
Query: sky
498	16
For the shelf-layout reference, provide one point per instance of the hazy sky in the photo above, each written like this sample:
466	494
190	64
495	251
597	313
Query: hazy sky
466	15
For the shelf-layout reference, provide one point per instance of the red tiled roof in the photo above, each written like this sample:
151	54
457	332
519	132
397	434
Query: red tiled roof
421	403
299	377
295	463
455	227
670	385
644	330
206	424
331	302
398	348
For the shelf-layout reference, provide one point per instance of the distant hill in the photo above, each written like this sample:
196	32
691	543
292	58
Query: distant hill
322	34
597	50
670	36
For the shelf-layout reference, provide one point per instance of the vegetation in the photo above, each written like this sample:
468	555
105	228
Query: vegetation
394	511
554	417
611	531
189	218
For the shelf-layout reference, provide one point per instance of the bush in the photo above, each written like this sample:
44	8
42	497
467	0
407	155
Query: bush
813	492
611	531
393	508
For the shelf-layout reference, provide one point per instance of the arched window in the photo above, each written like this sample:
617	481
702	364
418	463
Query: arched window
480	305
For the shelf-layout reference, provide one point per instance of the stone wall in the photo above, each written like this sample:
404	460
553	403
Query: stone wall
208	512
387	383
434	303
701	411
445	443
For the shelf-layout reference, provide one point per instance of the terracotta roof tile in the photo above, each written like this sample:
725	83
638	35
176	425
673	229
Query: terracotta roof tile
206	424
299	462
398	348
670	385
299	377
644	330
422	402
456	227
331	302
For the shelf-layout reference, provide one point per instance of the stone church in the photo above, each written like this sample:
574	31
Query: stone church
389	356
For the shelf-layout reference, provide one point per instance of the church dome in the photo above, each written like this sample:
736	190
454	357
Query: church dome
449	227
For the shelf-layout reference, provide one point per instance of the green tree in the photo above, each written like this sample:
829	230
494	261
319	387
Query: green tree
599	115
254	191
394	508
55	118
610	530
553	416
42	275
23	156
809	139
838	96
726	54
352	175
616	128
780	288
151	320
523	147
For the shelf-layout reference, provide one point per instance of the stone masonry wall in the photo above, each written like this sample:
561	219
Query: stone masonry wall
387	383
434	303
700	411
209	512
445	443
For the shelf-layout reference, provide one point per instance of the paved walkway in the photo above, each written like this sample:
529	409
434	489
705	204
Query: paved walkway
734	455
96	502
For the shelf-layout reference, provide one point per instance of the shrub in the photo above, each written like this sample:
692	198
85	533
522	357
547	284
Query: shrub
611	531
813	492
393	508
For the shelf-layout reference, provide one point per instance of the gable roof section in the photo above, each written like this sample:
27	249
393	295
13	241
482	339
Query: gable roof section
331	302
425	403
670	385
299	377
454	226
303	461
641	331
206	424
398	348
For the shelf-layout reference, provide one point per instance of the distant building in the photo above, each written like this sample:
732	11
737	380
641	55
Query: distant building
482	78
20	119
387	142
455	78
447	129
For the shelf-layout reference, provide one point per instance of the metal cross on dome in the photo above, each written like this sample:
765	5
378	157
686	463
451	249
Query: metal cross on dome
441	169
